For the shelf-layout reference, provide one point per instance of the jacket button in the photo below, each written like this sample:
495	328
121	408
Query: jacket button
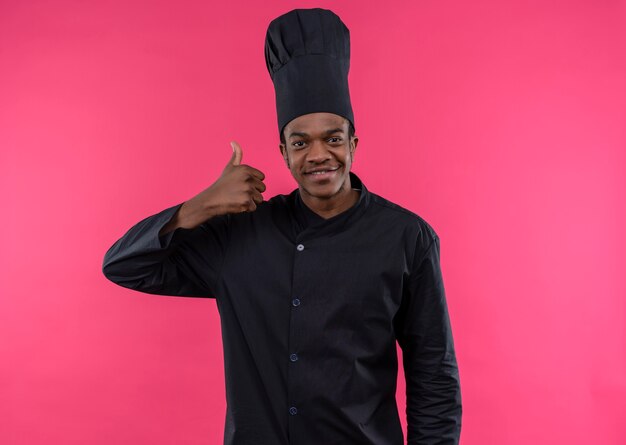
293	357
293	411
300	247
295	302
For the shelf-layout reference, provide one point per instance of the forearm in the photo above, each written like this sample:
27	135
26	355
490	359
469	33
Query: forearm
189	216
434	407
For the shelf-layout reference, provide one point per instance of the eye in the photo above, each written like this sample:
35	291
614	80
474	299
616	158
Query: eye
298	142
338	139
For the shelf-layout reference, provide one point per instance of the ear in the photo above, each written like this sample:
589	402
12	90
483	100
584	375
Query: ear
353	143
283	152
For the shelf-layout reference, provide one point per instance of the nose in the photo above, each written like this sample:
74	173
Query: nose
317	152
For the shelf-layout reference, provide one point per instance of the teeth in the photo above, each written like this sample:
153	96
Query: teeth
321	172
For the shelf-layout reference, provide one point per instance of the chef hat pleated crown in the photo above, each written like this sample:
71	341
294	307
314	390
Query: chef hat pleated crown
307	53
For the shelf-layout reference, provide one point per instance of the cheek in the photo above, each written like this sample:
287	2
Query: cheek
348	156
295	160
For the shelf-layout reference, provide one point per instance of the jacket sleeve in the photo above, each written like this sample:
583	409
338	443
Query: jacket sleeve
183	262
433	393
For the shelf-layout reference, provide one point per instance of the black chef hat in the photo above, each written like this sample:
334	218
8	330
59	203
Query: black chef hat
307	53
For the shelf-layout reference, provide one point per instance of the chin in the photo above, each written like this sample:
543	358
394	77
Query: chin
322	191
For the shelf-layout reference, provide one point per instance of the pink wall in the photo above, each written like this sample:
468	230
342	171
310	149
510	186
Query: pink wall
501	123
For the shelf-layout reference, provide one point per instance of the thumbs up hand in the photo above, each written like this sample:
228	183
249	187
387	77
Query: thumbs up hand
239	187
237	190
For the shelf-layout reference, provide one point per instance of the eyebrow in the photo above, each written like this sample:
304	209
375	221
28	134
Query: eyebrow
327	132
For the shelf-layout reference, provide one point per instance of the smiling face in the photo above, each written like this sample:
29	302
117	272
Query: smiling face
319	153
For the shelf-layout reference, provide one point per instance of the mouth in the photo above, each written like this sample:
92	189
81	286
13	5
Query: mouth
322	175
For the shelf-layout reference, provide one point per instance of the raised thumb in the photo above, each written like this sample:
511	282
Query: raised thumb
237	153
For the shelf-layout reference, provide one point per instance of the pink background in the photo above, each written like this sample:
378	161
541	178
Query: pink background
501	123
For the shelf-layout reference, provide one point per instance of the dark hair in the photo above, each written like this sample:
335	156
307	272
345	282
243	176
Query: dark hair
351	132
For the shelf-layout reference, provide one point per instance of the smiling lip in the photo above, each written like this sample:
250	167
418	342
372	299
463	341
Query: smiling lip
318	177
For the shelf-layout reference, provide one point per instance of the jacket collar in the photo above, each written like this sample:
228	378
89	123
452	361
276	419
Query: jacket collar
308	224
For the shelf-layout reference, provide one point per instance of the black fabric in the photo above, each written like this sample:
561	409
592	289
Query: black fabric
304	215
307	54
361	281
